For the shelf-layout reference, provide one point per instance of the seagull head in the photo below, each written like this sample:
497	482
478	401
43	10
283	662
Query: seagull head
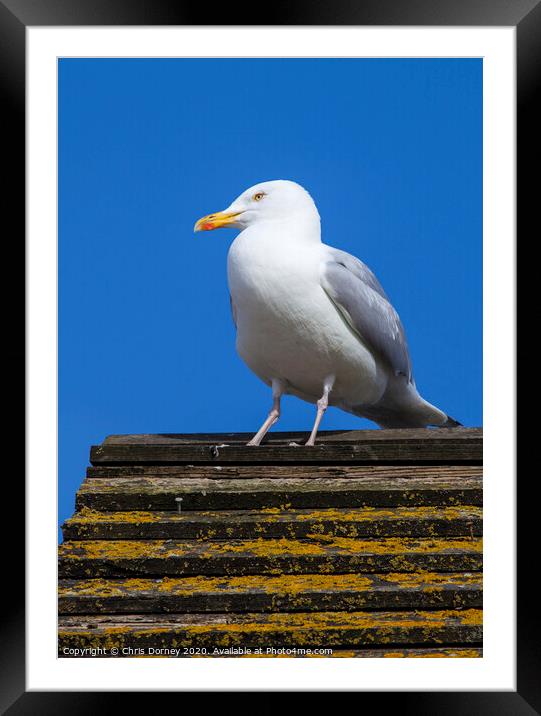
277	201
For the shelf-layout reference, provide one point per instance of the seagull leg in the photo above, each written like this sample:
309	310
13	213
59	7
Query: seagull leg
277	390
322	405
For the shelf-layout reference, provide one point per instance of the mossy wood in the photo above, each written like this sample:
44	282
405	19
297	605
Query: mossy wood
276	523
255	630
269	472
305	592
324	437
396	652
160	493
459	446
369	544
118	558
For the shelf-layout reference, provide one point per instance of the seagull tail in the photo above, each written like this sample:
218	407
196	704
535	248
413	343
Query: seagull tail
418	413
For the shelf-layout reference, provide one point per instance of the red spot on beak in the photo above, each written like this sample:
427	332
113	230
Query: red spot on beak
208	225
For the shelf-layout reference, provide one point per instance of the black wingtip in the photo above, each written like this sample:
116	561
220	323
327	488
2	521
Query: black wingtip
451	423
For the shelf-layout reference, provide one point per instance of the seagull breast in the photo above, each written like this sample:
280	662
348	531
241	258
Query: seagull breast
287	327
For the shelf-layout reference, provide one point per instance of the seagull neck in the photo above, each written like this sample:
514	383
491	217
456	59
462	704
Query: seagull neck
304	229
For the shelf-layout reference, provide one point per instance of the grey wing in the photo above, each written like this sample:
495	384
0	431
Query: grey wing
360	298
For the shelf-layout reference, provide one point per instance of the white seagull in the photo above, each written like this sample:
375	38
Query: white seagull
314	321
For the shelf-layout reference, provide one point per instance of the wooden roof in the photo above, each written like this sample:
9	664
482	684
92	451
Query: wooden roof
368	544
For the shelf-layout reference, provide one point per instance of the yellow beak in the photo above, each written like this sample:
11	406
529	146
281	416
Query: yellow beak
216	221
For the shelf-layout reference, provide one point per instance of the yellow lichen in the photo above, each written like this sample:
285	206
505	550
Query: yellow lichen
272	548
279	585
298	629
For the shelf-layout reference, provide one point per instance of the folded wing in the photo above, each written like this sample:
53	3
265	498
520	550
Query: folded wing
361	300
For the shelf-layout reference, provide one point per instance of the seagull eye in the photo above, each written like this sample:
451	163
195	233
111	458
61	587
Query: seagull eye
258	196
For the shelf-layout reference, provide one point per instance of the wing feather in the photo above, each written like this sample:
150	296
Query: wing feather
360	298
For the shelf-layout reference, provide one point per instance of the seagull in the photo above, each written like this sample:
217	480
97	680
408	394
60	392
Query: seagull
313	321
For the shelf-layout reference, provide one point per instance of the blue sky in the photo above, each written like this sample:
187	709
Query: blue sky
391	151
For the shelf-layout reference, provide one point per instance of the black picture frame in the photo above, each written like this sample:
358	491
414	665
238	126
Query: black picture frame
15	17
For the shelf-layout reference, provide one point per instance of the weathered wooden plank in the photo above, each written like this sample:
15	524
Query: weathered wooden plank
305	592
442	652
121	558
394	653
276	523
280	437
399	450
250	472
306	630
160	493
